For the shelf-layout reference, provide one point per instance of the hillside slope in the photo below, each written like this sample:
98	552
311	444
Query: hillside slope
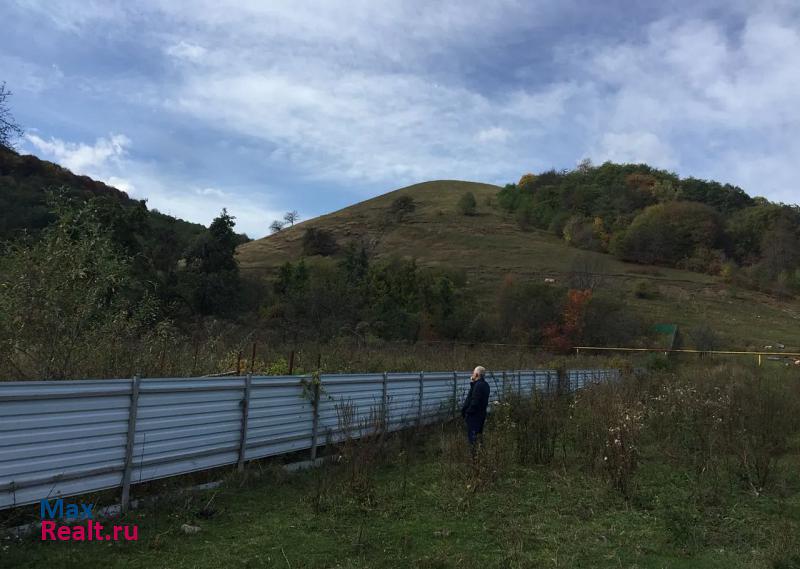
25	180
490	245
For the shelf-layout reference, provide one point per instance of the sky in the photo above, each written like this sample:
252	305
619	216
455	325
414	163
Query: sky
264	106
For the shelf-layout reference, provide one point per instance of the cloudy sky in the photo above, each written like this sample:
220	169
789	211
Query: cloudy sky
262	106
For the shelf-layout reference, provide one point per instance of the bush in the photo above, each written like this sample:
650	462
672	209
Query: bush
704	338
467	204
726	417
70	301
539	425
401	208
580	232
319	242
645	290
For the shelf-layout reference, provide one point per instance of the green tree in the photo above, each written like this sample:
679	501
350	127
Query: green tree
401	208
319	242
69	299
669	232
211	278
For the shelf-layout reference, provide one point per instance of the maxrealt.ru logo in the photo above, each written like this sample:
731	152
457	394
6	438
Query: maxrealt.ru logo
74	521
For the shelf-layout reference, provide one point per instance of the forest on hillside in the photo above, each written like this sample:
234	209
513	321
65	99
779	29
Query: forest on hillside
645	215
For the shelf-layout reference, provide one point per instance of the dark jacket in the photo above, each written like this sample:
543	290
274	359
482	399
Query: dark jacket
477	400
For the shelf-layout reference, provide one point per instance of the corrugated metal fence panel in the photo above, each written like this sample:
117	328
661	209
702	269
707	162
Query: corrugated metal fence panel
545	379
186	425
280	416
402	394
437	396
350	405
60	438
462	384
579	378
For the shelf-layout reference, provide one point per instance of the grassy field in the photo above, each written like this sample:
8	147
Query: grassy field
490	245
417	517
417	500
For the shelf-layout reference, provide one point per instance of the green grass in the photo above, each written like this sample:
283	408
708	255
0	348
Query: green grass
490	245
421	512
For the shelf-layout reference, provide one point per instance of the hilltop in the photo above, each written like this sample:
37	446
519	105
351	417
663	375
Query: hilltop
488	246
26	179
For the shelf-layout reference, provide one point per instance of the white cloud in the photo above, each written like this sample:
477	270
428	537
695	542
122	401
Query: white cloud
493	134
91	159
108	160
186	51
211	192
122	184
634	147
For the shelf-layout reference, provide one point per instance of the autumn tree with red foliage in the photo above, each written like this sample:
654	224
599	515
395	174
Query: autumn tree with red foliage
561	337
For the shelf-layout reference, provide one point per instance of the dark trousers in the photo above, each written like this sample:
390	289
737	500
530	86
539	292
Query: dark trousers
474	428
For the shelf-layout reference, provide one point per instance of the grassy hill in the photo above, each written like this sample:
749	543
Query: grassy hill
490	245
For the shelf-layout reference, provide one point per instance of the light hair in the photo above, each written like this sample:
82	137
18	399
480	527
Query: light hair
480	370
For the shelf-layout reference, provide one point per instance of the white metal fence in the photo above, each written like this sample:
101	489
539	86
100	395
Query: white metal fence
62	438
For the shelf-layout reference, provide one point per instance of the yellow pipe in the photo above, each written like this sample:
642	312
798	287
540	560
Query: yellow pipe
683	351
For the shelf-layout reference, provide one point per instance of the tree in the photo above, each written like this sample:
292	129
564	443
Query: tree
400	208
526	183
9	129
668	233
582	232
211	281
561	337
319	242
526	215
588	272
467	204
276	226
68	300
291	217
524	309
780	248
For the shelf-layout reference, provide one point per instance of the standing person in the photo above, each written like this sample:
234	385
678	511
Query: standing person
474	409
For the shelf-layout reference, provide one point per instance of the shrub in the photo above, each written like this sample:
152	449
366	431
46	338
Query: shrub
621	456
539	425
763	418
708	416
526	216
319	242
606	421
467	204
401	208
582	233
645	290
704	338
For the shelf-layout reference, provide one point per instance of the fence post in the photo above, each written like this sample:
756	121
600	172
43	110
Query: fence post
421	391
385	402
248	381
519	383
503	395
455	394
126	475
315	418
